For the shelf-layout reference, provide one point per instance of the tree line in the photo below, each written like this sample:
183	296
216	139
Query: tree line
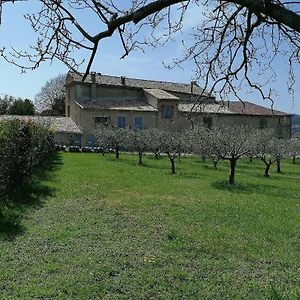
10	105
229	143
49	101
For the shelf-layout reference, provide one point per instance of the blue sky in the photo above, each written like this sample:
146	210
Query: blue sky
14	31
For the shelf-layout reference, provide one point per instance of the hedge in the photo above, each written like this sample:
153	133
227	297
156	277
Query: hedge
23	147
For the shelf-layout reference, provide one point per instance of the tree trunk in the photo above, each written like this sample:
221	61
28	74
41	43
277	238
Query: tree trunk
294	159
203	159
278	165
173	165
232	171
140	159
215	162
267	169
156	155
172	160
251	159
117	153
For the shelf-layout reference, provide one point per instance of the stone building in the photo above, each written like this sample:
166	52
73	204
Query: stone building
66	132
102	100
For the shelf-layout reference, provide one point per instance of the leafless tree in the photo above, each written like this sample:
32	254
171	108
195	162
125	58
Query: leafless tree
137	140
294	149
270	149
234	42
173	143
111	138
281	150
230	143
51	99
155	141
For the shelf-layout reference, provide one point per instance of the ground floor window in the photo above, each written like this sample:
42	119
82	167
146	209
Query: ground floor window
91	140
138	123
262	123
207	121
121	122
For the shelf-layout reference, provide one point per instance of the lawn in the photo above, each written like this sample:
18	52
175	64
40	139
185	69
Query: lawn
95	228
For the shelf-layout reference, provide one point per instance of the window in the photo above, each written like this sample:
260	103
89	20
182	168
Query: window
101	120
138	123
282	120
207	121
91	140
167	111
121	122
262	123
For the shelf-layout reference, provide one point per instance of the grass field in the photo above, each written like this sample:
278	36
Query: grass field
94	228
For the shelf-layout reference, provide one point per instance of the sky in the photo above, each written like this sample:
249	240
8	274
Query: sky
16	32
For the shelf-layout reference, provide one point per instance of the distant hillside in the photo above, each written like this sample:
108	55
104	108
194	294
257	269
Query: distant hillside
296	125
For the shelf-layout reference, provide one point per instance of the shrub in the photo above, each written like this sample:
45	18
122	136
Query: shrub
23	147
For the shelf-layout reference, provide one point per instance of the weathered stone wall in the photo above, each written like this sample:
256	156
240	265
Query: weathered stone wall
85	118
89	124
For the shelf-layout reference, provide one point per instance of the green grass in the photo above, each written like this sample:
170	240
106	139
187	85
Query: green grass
95	228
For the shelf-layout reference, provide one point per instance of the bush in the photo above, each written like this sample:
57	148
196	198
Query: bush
23	147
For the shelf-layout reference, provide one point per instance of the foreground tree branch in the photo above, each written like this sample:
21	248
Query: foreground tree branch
237	40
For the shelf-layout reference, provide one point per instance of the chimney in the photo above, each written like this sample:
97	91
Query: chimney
192	86
123	80
192	89
93	86
93	77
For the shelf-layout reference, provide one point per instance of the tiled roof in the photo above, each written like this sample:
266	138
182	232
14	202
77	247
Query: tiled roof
133	104
161	94
204	108
59	124
248	108
139	83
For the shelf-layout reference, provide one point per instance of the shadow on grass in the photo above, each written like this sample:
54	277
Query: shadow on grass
237	188
31	194
268	190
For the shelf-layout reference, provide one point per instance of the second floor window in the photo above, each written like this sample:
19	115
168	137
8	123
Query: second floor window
101	120
167	111
121	122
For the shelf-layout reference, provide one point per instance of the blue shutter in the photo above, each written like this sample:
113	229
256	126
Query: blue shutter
138	123
121	122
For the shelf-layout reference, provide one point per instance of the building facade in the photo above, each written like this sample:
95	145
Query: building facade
102	100
66	132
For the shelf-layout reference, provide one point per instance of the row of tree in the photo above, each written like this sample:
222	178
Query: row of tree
219	143
10	105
